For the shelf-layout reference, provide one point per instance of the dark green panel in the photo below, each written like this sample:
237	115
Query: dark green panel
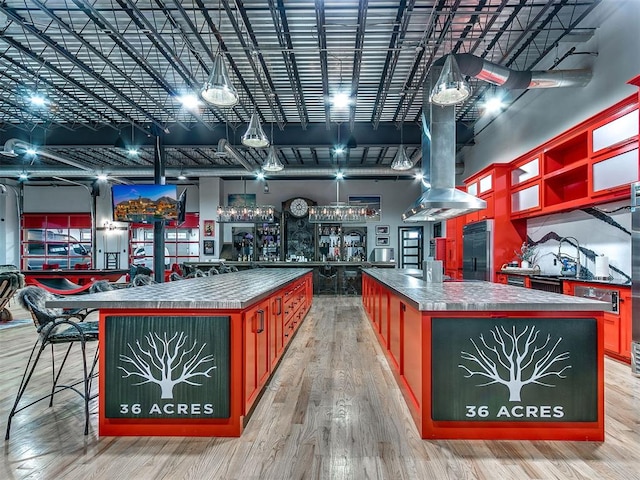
177	349
567	347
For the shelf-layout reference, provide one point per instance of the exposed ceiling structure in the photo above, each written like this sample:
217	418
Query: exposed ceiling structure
111	73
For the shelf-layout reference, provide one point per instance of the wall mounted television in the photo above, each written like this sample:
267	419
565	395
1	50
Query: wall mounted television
144	203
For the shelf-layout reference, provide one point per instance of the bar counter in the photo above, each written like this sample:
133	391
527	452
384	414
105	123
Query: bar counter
479	360
192	357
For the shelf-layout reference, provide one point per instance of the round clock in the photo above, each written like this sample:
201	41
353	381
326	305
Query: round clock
299	207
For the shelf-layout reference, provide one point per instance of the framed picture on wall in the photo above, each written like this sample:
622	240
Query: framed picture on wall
382	241
382	229
208	247
209	228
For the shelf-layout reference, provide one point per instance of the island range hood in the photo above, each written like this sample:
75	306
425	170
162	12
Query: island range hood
441	199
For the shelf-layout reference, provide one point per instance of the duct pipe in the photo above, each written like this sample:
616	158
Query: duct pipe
13	143
223	145
147	172
482	69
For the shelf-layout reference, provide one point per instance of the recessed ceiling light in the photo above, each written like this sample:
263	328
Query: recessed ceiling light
493	105
37	100
189	101
341	100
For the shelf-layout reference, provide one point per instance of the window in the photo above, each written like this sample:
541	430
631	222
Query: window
55	241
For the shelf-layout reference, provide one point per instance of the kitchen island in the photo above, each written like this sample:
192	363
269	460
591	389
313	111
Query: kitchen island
479	360
191	357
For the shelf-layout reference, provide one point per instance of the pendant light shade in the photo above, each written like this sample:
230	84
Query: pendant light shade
401	161
255	136
218	89
273	163
451	87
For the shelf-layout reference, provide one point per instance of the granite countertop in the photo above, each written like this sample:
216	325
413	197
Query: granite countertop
235	290
280	264
478	296
538	275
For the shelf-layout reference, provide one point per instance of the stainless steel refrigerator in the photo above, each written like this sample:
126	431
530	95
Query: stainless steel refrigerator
635	277
477	248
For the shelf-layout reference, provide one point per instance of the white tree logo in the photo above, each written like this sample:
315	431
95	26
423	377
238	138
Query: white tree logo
167	362
515	359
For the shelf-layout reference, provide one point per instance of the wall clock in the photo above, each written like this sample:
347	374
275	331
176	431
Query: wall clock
299	207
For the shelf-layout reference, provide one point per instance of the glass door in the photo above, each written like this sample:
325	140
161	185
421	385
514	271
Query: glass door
411	249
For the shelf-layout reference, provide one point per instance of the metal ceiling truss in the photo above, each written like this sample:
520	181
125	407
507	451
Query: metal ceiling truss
110	66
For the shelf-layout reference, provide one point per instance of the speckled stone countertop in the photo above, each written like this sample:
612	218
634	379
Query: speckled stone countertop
479	296
236	290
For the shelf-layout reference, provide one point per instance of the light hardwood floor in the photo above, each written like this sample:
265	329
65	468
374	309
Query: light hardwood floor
331	411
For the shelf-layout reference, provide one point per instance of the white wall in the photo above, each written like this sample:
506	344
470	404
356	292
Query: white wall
544	113
397	196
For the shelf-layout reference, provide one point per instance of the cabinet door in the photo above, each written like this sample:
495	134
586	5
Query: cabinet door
395	331
411	351
384	316
262	344
625	322
612	333
618	170
276	342
250	358
256	360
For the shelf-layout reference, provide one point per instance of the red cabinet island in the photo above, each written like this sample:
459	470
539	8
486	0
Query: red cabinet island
480	360
191	358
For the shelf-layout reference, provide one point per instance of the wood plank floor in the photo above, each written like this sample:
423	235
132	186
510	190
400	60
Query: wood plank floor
331	411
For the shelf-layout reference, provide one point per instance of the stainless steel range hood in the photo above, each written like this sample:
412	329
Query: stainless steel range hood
440	199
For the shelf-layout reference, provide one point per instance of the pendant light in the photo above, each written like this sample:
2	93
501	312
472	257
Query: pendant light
218	89
273	163
451	87
254	136
401	161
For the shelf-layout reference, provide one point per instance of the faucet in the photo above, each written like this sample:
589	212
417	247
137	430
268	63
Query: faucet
577	245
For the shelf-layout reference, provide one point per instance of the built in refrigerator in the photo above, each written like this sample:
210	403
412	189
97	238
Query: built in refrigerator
477	248
635	277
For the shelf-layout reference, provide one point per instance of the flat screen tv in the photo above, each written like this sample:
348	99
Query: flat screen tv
144	203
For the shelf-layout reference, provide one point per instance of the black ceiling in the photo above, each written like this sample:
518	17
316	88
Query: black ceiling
111	71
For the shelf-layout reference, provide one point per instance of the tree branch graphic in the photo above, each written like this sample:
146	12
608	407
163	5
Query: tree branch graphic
515	359
167	362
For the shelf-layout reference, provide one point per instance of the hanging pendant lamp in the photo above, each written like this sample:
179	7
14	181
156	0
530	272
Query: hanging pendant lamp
273	163
401	161
255	136
218	89
451	87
